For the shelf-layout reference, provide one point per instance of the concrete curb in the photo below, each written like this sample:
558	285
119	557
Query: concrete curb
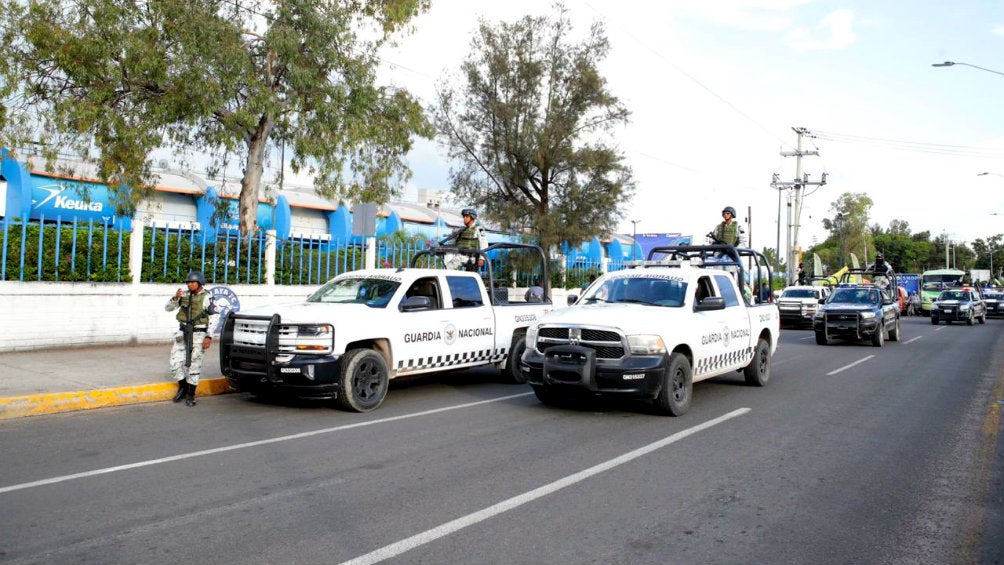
50	403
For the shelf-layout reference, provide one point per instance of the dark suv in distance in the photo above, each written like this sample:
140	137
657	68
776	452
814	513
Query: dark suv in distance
963	304
857	312
994	299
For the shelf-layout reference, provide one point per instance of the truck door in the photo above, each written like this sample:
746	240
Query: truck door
739	349
423	332
472	321
709	351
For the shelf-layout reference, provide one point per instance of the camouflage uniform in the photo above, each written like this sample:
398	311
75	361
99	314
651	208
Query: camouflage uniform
730	233
203	316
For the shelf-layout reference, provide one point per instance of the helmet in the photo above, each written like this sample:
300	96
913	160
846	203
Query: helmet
730	210
469	212
196	276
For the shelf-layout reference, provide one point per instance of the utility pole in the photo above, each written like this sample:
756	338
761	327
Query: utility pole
800	181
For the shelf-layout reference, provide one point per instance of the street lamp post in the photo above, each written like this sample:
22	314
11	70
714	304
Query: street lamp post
634	236
840	230
953	63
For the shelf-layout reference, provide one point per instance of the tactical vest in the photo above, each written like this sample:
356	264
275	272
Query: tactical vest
727	233
468	239
200	315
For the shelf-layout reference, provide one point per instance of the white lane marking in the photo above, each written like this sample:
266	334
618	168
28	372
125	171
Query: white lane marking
448	528
805	338
912	340
258	443
938	329
845	367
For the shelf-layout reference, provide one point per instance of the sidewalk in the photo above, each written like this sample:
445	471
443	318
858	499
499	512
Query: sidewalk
58	380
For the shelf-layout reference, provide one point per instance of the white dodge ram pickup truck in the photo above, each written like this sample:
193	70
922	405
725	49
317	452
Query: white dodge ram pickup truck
653	330
365	327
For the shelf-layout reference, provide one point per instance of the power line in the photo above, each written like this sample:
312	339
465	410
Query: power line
921	147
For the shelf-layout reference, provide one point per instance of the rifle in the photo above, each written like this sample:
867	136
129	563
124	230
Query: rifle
452	237
189	330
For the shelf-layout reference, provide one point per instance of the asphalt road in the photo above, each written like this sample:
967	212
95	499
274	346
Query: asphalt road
852	454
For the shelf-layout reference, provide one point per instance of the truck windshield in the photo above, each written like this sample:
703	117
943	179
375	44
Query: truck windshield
651	290
798	293
373	292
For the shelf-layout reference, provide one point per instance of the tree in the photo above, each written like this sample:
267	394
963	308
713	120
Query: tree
527	128
115	80
849	226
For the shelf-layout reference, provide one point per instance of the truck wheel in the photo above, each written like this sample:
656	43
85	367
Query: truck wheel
363	382
983	318
511	371
934	320
878	338
894	332
547	396
677	387
821	338
969	320
757	373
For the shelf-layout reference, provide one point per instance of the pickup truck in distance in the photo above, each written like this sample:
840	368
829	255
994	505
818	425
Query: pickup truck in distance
363	328
651	331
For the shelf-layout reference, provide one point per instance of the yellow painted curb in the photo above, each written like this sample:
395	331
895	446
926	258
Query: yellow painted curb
49	403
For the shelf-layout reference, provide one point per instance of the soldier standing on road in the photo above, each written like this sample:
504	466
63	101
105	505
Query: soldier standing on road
728	231
195	310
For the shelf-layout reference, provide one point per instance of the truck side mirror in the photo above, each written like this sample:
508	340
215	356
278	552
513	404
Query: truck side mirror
572	299
414	303
711	303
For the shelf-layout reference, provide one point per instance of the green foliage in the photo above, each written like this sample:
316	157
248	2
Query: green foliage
528	130
113	81
89	253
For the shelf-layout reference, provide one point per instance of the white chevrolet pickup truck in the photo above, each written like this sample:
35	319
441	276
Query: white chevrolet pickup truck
651	331
363	328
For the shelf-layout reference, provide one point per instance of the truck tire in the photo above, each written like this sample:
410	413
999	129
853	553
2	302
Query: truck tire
983	318
757	373
894	332
511	371
677	387
934	320
969	320
878	338
363	382
821	338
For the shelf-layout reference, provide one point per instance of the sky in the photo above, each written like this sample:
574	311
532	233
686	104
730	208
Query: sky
716	88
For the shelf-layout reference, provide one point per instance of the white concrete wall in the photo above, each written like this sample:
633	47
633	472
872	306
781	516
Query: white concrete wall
39	315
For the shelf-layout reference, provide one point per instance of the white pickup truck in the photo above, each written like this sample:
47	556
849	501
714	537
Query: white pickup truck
363	328
651	331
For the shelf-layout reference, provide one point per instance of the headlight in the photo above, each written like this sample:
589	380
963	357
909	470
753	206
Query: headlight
867	315
646	344
819	314
965	307
315	338
531	337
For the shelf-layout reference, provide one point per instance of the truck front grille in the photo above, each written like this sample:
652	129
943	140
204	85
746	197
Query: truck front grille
606	343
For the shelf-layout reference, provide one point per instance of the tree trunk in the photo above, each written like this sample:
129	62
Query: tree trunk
251	181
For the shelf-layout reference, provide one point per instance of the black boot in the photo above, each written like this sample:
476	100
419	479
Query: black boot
190	401
181	391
